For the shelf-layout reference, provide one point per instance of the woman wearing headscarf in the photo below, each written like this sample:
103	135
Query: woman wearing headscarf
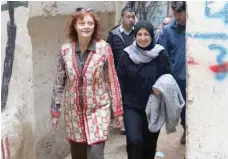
140	65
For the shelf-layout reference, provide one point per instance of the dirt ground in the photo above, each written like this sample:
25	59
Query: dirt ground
169	145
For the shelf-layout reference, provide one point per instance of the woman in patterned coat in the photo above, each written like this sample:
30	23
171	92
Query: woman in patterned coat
87	81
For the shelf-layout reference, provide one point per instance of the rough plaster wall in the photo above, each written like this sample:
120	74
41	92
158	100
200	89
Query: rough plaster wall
207	45
17	140
47	35
119	6
53	8
107	23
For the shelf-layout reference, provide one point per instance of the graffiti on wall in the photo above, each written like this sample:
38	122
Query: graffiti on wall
216	10
5	148
159	14
9	54
158	17
192	61
221	68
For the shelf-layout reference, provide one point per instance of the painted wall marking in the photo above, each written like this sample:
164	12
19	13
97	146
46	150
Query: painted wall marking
222	13
220	69
192	61
208	36
5	148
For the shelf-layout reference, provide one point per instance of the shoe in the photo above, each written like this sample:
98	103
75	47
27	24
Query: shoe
183	138
123	133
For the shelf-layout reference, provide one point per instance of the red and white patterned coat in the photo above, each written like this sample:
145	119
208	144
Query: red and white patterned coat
101	91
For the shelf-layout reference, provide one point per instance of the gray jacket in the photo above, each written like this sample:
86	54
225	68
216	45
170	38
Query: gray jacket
165	108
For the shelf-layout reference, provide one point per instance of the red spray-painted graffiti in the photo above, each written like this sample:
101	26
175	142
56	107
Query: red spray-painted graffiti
192	61
2	149
219	68
5	148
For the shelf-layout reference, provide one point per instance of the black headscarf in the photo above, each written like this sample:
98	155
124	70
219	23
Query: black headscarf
149	27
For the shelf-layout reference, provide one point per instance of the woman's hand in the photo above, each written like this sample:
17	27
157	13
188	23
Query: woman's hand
118	121
156	92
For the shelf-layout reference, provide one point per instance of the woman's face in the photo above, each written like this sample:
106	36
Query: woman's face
143	38
85	27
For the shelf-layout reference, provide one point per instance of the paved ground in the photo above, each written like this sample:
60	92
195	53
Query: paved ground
169	145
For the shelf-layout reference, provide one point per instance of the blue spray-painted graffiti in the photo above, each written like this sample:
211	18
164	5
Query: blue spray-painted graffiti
220	59
223	13
159	13
197	35
221	68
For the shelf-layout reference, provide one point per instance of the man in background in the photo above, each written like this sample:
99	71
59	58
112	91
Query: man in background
174	42
159	36
122	35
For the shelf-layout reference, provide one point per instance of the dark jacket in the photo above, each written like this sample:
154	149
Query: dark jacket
174	42
160	37
136	80
117	43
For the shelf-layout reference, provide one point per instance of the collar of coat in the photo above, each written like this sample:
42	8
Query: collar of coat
92	46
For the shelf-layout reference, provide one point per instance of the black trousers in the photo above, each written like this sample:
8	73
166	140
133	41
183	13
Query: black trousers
141	143
85	151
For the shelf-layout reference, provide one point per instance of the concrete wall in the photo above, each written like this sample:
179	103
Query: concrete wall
56	8
207	51
17	119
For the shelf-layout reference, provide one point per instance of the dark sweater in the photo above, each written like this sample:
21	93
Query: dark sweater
119	41
128	39
136	80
